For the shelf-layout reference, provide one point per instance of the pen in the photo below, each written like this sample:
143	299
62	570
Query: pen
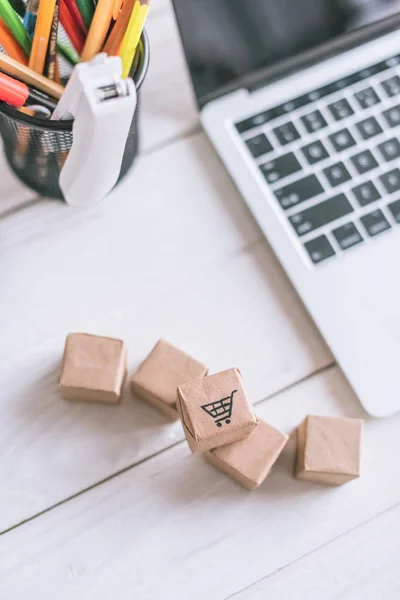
9	44
116	36
98	29
14	24
17	94
15	69
133	33
31	16
41	36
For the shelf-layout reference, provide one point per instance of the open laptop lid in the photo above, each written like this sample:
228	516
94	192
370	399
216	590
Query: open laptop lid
230	44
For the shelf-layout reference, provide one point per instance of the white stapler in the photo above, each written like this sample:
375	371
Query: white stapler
102	106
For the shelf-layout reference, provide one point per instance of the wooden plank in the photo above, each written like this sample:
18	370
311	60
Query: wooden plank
360	565
175	527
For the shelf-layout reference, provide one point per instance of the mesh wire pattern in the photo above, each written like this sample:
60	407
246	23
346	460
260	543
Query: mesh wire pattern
36	149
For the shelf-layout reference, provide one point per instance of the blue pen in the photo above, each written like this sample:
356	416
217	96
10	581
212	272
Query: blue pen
31	16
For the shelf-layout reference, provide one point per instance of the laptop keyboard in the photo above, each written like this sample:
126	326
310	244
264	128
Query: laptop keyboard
330	158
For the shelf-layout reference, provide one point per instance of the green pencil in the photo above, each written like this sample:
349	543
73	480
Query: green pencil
87	11
13	23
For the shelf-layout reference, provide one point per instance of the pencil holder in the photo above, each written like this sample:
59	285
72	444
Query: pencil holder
36	148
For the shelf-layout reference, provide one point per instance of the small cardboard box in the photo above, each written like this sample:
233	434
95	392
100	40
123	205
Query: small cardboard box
249	461
215	410
160	374
93	368
329	449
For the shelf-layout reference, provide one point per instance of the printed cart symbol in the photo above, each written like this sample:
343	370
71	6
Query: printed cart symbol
220	410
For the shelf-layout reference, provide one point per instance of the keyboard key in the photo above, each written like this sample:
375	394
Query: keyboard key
367	97
320	214
286	133
347	236
364	161
391	181
337	174
315	152
392	86
390	149
368	128
375	222
299	191
252	122
280	167
392	115
394	208
319	249
259	145
340	109
314	121
366	193
341	140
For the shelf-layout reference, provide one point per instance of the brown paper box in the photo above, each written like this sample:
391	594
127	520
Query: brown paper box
249	461
160	374
215	410
93	368
329	449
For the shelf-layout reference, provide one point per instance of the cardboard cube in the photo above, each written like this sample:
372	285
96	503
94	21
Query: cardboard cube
329	449
160	374
93	368
249	461
215	410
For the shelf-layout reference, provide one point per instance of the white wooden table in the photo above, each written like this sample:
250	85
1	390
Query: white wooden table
100	502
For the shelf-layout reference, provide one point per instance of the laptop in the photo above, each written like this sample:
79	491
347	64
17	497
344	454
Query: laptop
301	100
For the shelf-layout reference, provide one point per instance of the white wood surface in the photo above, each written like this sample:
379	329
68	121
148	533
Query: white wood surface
99	502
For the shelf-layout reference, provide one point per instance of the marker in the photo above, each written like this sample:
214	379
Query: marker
16	93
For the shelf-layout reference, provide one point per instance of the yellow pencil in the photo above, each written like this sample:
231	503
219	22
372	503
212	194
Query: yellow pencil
132	35
41	36
98	29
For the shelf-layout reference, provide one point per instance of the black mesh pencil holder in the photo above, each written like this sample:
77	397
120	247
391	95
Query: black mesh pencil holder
36	148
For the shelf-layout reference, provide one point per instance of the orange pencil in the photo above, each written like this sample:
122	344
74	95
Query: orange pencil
98	29
10	45
116	36
41	36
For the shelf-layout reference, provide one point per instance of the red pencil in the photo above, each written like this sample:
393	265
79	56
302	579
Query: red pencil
76	15
73	32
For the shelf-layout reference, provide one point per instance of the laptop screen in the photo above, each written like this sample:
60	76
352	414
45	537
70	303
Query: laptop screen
227	39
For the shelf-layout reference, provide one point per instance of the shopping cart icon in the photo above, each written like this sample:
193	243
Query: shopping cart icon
220	410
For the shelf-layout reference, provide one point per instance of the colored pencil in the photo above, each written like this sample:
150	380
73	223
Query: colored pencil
117	9
41	36
86	10
51	58
77	39
12	21
116	36
67	52
10	45
30	17
76	15
98	29
133	33
14	68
